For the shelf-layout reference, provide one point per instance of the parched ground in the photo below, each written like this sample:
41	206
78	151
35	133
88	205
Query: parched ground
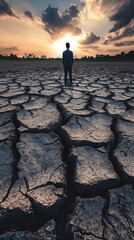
66	154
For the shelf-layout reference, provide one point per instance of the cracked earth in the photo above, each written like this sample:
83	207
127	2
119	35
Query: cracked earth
66	154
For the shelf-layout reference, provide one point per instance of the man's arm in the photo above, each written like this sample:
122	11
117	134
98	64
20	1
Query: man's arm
63	58
72	58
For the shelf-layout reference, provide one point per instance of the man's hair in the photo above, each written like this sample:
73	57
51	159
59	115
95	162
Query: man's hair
67	45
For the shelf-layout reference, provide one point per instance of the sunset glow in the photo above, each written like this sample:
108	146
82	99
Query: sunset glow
59	45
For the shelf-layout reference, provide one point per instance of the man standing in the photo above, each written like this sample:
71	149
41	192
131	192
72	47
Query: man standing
68	63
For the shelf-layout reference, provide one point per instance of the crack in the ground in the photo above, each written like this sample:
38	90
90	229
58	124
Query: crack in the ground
84	233
49	183
62	218
16	156
116	165
113	146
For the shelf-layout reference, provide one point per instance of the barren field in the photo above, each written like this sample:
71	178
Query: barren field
66	154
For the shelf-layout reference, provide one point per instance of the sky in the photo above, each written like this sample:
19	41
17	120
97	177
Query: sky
42	27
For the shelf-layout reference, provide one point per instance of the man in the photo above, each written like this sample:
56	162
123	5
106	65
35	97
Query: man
68	63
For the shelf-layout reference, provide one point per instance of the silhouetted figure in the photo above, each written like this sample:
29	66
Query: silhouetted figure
68	63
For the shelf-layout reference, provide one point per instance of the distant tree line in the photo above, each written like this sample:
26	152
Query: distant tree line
122	56
99	57
26	56
11	56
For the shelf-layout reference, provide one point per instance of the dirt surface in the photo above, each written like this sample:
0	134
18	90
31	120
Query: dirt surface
66	153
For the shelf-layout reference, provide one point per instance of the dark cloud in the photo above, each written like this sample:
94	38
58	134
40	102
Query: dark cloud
83	4
70	13
29	15
110	6
123	16
5	9
107	41
95	47
120	12
90	38
9	49
56	22
127	31
126	43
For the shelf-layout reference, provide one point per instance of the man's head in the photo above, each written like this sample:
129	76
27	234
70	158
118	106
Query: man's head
67	45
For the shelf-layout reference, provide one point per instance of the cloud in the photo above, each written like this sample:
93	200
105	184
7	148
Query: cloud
107	7
117	14
5	9
124	32
125	43
29	15
89	39
123	16
9	49
56	22
107	41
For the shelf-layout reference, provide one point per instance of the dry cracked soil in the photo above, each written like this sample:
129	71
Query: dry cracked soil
66	154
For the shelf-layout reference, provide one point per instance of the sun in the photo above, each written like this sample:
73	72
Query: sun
59	45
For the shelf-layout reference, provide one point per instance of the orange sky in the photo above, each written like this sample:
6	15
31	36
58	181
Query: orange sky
43	29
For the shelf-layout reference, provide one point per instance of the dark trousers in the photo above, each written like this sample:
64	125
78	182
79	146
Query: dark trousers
66	70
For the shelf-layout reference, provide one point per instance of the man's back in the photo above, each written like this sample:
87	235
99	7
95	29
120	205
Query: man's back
67	63
67	58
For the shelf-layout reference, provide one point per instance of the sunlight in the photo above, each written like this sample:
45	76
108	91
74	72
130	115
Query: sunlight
59	45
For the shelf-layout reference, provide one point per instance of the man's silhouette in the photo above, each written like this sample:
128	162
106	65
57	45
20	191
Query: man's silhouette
68	63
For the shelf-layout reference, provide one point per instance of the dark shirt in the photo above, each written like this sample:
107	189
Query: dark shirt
67	58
